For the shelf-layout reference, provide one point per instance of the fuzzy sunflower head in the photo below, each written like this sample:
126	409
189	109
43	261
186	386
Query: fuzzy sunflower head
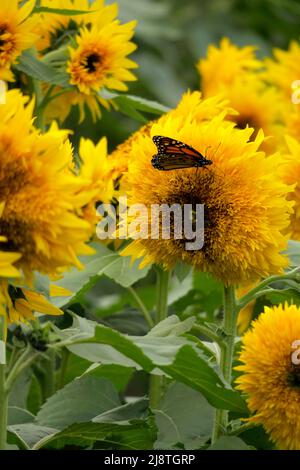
270	377
15	33
38	193
224	65
245	207
290	173
192	105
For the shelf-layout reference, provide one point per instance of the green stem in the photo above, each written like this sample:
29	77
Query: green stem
260	288
142	306
63	368
227	353
24	361
156	381
49	377
3	391
205	331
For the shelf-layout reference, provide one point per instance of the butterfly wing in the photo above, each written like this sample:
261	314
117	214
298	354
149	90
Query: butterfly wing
174	155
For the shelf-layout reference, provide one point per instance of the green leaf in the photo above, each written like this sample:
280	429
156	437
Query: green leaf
189	425
191	368
62	11
104	262
293	252
35	68
136	436
28	434
125	413
79	401
18	415
229	443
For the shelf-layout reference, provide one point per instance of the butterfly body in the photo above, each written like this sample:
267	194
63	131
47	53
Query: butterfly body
175	155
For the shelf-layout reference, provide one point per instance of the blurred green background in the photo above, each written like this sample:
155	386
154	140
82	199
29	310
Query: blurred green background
173	34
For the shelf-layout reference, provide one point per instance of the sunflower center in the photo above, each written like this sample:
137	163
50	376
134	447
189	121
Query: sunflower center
2	32
92	62
19	236
293	376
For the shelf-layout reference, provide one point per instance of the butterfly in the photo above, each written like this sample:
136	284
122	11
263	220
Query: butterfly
175	155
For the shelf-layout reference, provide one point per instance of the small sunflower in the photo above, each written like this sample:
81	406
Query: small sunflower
290	173
95	54
15	33
38	193
224	65
245	210
269	377
284	69
20	304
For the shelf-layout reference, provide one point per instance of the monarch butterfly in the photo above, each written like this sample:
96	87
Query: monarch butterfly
175	155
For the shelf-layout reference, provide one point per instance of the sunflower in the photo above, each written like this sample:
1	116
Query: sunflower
224	65
96	174
19	305
245	210
284	69
191	105
95	55
15	33
270	377
38	193
290	173
7	260
53	29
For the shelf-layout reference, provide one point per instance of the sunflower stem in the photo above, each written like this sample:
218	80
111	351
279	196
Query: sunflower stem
3	390
142	306
227	352
156	381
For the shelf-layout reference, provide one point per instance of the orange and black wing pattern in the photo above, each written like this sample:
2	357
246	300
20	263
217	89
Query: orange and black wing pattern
175	155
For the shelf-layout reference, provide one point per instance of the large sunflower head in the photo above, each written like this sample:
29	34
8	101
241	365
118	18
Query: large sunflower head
38	192
224	65
270	375
15	33
245	207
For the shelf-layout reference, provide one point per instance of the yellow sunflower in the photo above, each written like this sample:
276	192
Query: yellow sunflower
224	65
284	69
96	175
290	173
16	33
96	51
20	304
191	105
245	209
53	29
38	193
270	377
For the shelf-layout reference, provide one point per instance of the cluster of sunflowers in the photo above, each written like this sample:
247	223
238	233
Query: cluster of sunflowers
245	118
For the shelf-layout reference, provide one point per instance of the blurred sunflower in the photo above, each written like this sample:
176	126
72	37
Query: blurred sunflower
235	72
16	33
38	193
94	51
269	377
245	210
284	69
226	65
290	173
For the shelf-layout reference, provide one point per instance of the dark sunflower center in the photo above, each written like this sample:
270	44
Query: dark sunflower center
92	62
293	376
19	236
2	32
